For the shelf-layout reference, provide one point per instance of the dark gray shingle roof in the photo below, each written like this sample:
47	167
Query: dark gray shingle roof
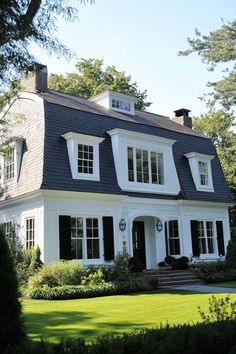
141	117
64	113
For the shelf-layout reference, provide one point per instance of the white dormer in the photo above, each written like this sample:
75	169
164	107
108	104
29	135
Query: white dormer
116	101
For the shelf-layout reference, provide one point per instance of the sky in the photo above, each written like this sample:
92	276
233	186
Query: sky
143	38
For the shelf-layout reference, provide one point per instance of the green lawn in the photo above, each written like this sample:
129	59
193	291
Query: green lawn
226	284
90	318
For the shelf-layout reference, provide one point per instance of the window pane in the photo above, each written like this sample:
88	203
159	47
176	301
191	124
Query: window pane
92	248
160	169
130	165
76	248
85	159
29	233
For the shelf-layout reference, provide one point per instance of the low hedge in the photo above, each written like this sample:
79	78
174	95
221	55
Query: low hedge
218	337
81	291
220	276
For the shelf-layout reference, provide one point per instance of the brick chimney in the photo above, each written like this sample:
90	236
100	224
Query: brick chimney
182	117
36	80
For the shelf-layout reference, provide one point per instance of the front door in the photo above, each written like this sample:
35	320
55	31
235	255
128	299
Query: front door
139	242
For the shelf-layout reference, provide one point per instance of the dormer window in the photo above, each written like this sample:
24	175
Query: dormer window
10	160
121	105
144	163
83	151
200	165
116	101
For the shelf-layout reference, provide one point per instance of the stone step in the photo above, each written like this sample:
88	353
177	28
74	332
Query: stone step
171	278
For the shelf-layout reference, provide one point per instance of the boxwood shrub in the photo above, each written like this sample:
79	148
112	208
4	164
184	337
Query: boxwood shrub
131	285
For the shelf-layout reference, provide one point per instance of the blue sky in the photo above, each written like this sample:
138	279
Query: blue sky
142	38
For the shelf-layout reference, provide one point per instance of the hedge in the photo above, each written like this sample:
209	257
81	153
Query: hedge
218	337
81	291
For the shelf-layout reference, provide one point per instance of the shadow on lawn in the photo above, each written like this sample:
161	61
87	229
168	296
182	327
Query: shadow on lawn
53	326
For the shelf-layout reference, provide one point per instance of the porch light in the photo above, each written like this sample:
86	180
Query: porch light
159	225
122	225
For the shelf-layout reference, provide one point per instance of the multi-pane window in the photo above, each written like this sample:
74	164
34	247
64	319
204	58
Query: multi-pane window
203	173
173	237
206	237
77	235
122	105
85	159
85	238
145	166
7	228
9	164
29	233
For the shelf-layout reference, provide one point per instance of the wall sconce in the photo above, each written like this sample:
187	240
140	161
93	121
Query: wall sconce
159	225
122	225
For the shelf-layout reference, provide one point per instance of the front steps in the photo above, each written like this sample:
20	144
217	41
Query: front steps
168	278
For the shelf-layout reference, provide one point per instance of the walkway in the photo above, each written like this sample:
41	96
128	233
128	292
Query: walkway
207	289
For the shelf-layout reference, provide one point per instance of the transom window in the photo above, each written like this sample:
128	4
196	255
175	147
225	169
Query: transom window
85	159
172	229
85	242
122	105
145	166
203	173
29	233
9	164
206	237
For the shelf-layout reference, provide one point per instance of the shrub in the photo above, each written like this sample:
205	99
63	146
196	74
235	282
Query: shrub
219	310
230	258
121	261
131	285
169	260
93	278
161	264
135	265
35	262
11	327
211	267
220	276
58	274
180	263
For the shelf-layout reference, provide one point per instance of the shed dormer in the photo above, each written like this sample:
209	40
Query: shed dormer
116	101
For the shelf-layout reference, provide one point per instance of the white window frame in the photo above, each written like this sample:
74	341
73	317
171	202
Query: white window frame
214	239
73	140
85	258
173	238
135	170
16	145
194	158
122	139
33	230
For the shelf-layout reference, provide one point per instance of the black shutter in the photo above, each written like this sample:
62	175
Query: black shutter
108	238
166	239
194	235
65	237
220	238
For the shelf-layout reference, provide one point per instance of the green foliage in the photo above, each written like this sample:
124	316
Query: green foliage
216	48
24	22
219	310
131	285
58	274
214	272
93	278
204	338
230	257
91	79
121	261
35	263
11	327
135	265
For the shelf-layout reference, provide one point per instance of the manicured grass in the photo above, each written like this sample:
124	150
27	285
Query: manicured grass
226	284
90	318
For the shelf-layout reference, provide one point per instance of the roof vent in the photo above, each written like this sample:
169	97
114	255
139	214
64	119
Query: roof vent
182	117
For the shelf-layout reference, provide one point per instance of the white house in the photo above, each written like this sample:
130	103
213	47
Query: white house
87	179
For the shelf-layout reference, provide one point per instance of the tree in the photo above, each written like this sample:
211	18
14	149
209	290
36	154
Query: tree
26	21
11	327
217	125
216	48
91	79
